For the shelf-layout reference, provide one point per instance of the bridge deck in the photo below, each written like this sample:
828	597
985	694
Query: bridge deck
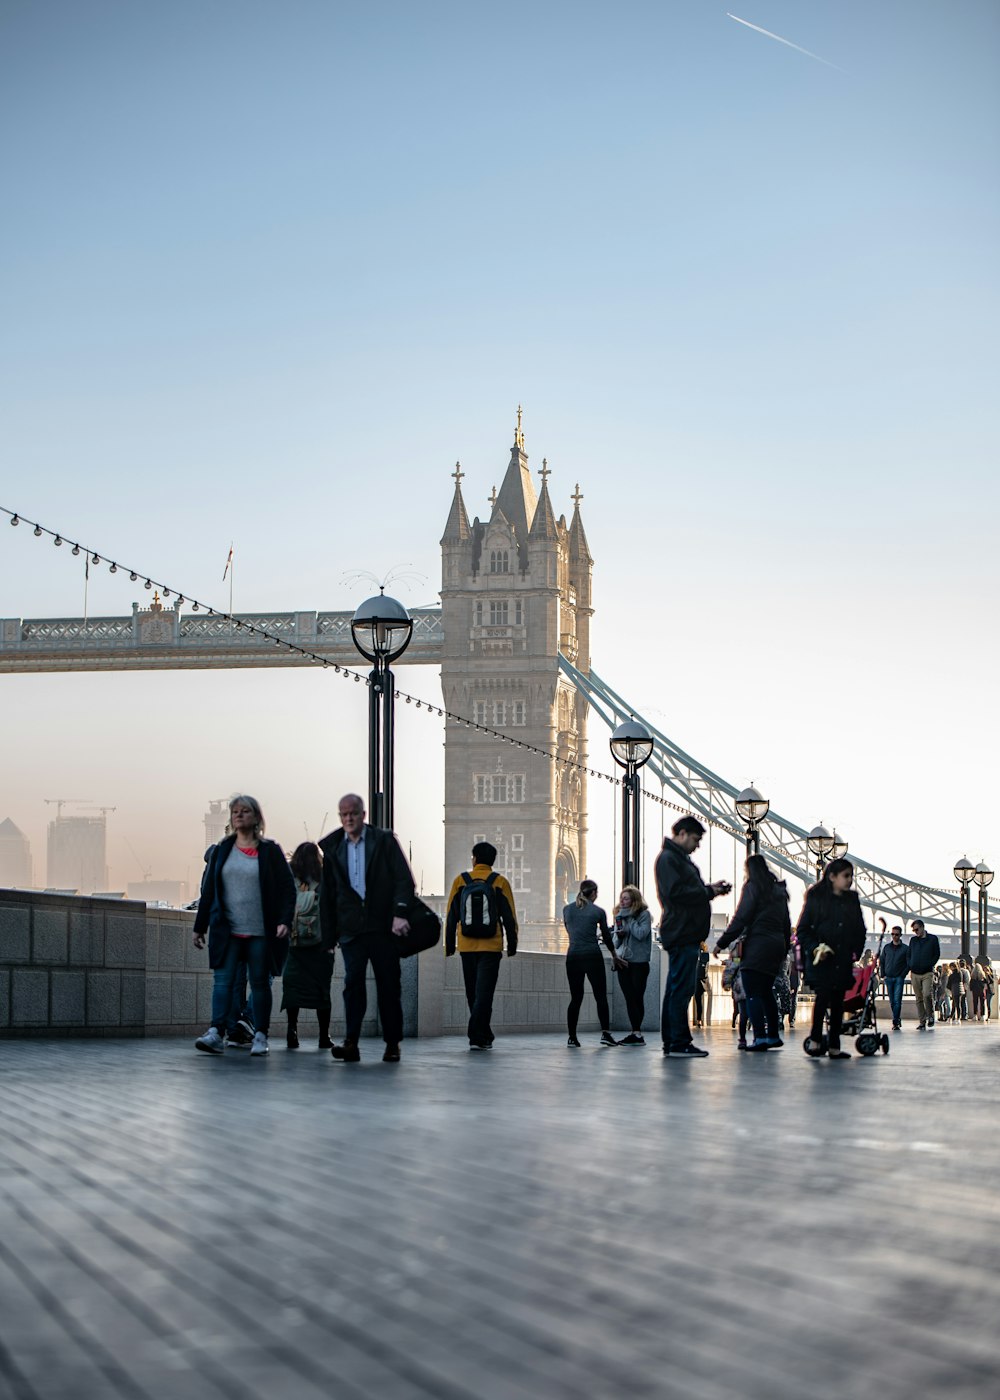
531	1223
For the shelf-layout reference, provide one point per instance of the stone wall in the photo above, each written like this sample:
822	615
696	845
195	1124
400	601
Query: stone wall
111	967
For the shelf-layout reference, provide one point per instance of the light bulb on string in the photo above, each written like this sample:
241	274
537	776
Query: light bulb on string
113	569
57	541
96	559
148	584
132	576
14	520
38	529
194	607
76	549
166	591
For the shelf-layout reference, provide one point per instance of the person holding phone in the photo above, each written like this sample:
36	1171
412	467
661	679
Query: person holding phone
686	902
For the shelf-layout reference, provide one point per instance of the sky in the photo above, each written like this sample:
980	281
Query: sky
268	270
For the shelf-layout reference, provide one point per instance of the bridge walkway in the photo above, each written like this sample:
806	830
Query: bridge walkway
530	1223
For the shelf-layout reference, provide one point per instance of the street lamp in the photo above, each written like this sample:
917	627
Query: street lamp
631	747
964	873
752	809
820	844
983	876
381	630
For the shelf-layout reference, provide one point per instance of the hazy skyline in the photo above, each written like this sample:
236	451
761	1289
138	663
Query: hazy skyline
268	271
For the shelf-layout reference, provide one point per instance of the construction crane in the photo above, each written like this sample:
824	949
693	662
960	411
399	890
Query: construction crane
60	802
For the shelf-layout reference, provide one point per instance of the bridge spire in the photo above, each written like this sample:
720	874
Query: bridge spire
457	528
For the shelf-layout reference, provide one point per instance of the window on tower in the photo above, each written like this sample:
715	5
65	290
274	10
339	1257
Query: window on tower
499	561
499	613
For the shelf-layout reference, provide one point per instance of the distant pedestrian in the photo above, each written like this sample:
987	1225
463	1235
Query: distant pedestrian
480	914
584	920
963	968
686	902
794	982
955	991
246	907
989	984
894	965
305	982
924	952
978	988
701	986
365	896
831	933
633	941
761	921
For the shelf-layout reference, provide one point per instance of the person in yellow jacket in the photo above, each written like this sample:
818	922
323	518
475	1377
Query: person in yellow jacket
480	915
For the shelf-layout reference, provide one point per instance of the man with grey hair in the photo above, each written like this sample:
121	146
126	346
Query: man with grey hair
924	950
365	895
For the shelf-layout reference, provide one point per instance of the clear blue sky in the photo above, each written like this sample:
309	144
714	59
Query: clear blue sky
267	270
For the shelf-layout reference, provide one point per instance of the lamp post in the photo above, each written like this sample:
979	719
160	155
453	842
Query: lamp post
752	809
964	873
381	630
631	747
820	844
983	876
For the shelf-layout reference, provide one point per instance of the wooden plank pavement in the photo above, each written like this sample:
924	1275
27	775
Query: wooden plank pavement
530	1222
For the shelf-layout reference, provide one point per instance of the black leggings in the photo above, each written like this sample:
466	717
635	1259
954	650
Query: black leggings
834	1003
632	980
589	967
322	1015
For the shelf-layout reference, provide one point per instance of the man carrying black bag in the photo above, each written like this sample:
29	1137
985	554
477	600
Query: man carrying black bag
365	895
480	913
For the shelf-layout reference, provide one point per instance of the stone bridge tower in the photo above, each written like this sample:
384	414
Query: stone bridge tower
515	591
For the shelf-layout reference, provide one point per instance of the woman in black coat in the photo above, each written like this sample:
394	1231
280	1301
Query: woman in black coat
831	933
761	921
246	907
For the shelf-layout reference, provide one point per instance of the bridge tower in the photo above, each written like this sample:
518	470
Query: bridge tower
515	591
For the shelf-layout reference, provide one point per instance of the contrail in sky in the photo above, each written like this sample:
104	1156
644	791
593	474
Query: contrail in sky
780	40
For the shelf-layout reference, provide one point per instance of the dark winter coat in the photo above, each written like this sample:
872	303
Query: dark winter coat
684	897
894	960
924	953
837	921
762	921
277	898
388	887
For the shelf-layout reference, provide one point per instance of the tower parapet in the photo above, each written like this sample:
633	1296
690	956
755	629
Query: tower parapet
515	590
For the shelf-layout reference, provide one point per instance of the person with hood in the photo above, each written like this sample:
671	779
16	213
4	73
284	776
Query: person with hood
893	966
761	921
831	933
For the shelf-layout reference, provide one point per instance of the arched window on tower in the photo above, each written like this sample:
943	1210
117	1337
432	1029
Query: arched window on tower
499	561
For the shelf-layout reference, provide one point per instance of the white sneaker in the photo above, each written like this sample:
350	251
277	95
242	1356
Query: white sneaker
211	1042
260	1045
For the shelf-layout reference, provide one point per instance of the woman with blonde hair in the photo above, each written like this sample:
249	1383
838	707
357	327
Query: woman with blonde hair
246	907
633	939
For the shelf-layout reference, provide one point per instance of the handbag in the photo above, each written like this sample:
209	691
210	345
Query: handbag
425	929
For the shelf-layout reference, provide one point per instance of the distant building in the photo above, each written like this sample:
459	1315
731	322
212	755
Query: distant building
159	891
77	854
216	820
15	857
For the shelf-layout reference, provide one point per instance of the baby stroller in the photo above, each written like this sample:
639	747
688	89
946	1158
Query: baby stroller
860	1016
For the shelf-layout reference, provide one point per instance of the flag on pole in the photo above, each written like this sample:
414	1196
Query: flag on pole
229	560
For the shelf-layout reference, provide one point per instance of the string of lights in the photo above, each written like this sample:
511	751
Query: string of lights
97	558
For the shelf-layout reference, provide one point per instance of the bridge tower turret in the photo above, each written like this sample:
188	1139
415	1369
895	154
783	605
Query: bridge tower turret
515	590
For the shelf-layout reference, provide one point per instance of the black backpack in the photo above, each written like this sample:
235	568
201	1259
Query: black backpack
478	915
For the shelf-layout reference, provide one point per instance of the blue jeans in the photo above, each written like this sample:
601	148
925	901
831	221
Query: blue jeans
682	977
253	952
894	986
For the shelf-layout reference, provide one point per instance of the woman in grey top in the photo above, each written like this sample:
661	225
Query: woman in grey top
585	961
633	941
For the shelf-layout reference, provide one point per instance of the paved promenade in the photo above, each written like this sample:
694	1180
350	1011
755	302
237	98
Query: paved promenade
533	1222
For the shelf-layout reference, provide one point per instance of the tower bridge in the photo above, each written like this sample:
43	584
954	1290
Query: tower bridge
512	639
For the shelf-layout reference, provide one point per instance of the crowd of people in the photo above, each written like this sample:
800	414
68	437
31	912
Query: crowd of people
264	916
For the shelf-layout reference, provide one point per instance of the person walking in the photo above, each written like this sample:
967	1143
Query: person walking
701	986
989	984
584	919
633	942
762	924
480	915
365	895
966	975
831	933
246	907
924	952
893	966
686	902
955	991
978	985
305	982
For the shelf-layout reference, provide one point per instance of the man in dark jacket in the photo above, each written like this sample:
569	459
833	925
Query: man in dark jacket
924	952
364	898
893	965
687	917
